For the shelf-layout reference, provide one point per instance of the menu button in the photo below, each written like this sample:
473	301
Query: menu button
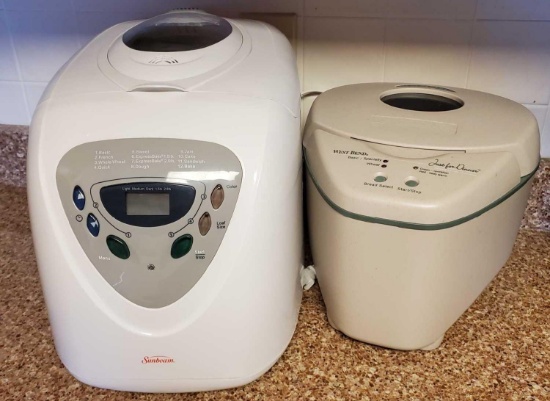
118	247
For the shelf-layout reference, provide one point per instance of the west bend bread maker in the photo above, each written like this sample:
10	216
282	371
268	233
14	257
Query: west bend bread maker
415	195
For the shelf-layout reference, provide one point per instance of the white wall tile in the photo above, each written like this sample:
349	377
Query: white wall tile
269	6
513	10
436	9
545	137
138	9
512	59
13	109
300	50
339	51
545	146
27	5
33	93
345	8
8	65
431	52
43	40
118	6
305	107
540	114
92	23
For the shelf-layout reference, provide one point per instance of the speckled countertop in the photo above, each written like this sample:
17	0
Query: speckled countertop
498	350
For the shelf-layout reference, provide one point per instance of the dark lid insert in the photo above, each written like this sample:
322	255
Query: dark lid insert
177	32
421	102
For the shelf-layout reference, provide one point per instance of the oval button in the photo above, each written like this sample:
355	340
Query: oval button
205	222
118	247
217	196
181	246
93	225
79	198
412	182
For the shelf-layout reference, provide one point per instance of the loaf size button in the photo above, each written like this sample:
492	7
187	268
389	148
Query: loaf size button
79	198
118	247
205	222
93	225
217	196
181	246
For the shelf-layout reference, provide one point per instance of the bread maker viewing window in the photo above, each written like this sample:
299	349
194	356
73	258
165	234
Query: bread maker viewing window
177	32
421	102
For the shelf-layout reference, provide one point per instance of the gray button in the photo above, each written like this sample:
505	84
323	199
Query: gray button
217	196
205	222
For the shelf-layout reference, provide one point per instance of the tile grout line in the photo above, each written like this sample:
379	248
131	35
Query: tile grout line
17	66
471	46
77	33
385	15
301	33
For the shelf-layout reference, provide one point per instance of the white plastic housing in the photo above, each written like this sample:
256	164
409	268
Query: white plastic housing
415	196
402	288
233	325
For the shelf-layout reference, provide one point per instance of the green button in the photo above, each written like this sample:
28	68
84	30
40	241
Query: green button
118	247
181	246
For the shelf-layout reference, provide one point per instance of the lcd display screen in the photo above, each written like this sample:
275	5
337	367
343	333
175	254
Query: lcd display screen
144	204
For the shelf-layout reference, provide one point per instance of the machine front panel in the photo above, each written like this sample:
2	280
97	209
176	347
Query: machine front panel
150	214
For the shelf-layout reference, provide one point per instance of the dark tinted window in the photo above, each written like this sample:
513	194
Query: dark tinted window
421	102
177	32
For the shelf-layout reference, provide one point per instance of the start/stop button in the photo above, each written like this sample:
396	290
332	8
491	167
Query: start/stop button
181	246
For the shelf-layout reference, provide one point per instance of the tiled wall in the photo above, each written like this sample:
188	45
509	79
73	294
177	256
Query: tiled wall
499	46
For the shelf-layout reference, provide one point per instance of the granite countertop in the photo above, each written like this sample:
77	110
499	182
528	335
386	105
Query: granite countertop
498	350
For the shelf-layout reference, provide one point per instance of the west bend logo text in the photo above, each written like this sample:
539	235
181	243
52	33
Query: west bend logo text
157	359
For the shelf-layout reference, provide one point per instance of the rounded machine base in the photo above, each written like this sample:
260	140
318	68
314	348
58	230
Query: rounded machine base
433	345
430	347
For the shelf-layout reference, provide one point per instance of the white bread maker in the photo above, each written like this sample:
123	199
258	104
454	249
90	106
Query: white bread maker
165	197
415	195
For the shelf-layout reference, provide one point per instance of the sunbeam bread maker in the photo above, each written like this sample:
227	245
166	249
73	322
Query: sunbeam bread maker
415	195
165	199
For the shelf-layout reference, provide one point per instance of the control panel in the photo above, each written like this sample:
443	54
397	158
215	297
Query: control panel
150	214
407	185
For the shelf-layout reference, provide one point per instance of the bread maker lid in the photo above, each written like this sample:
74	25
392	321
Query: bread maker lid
174	46
418	156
